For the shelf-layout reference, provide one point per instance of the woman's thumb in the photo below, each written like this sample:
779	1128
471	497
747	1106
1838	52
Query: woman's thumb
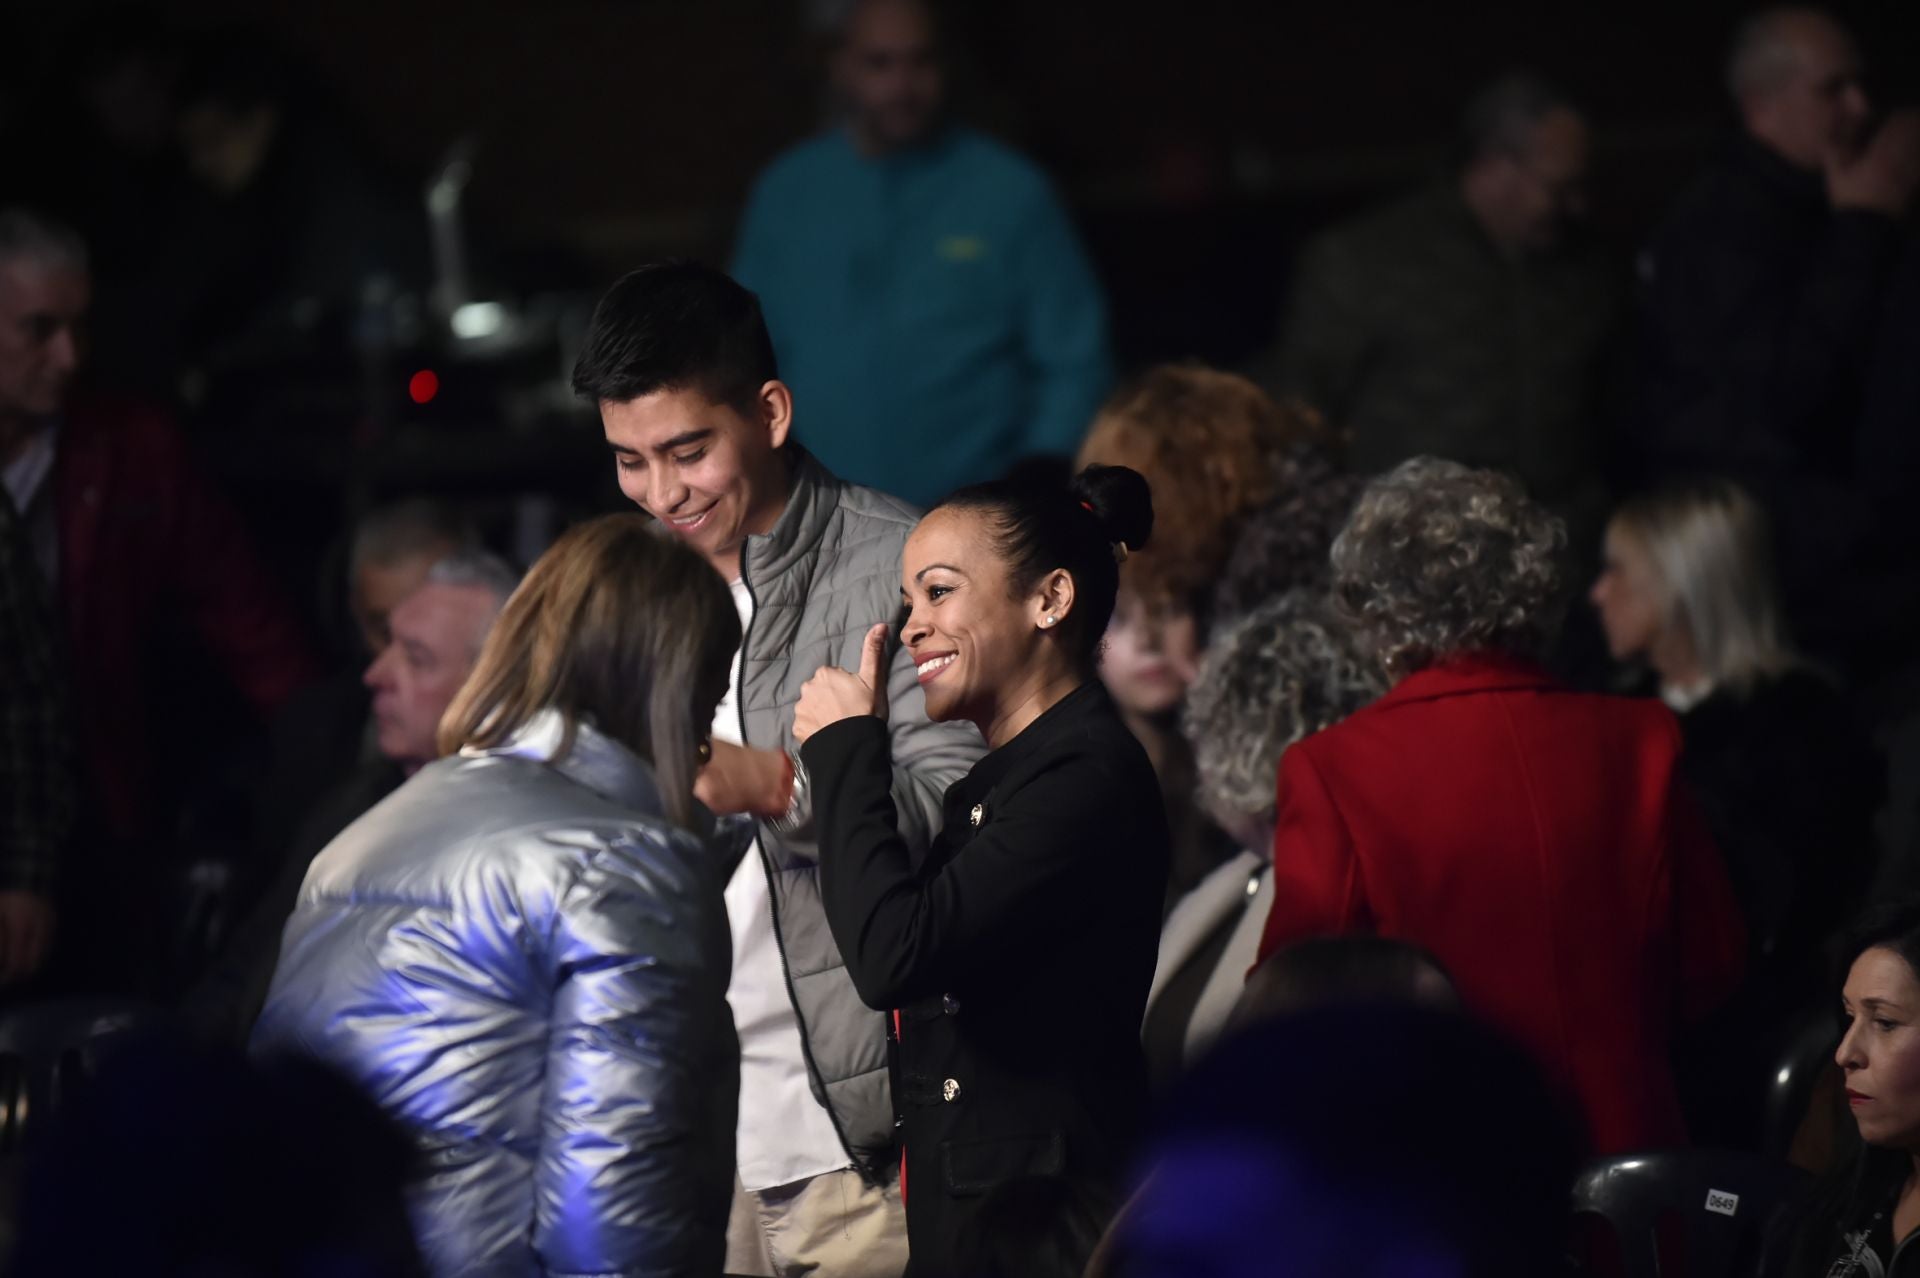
873	658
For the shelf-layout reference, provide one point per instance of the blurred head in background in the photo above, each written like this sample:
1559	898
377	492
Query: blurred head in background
1285	670
45	289
1284	1152
436	636
393	547
233	106
157	1166
1440	561
1687	585
1795	77
1525	174
1209	443
889	74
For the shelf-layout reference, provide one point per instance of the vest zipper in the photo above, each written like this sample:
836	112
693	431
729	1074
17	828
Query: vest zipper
773	892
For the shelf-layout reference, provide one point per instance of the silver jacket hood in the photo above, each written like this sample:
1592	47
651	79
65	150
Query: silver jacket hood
526	966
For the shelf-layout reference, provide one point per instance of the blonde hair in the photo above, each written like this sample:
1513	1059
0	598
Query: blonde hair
618	626
1711	548
1209	444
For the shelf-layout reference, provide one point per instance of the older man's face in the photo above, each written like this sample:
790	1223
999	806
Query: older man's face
43	310
1554	186
1815	114
437	632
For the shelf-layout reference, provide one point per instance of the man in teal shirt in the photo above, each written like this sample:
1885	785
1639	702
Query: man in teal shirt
927	295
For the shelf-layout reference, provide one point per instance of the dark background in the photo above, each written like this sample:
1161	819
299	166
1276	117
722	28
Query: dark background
1195	141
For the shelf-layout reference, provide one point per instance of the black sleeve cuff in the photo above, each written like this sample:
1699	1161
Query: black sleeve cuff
829	751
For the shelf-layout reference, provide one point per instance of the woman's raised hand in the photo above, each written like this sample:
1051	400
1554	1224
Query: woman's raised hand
833	694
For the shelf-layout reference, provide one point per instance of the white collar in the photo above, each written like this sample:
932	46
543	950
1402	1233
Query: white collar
1682	699
596	760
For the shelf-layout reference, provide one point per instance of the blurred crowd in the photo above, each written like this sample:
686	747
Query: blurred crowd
1476	739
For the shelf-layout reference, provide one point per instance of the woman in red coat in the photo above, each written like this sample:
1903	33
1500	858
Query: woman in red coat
1540	842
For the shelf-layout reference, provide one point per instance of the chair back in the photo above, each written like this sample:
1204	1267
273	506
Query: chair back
1796	1077
1697	1213
48	1049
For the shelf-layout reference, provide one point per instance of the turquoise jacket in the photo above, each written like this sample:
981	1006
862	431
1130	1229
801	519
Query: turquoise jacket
933	310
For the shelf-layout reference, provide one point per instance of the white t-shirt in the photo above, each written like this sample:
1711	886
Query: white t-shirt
785	1135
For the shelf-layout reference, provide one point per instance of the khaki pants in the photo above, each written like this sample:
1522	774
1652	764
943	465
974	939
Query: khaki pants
833	1226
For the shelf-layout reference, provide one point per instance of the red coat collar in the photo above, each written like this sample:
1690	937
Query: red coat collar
1468	673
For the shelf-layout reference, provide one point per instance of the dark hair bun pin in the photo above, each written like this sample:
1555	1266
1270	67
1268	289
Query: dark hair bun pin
1119	547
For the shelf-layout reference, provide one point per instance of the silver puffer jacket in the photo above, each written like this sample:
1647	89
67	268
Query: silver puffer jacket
526	966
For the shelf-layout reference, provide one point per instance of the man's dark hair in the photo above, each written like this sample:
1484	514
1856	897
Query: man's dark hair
676	326
1501	116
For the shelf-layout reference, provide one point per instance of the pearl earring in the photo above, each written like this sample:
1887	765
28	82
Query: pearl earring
1048	621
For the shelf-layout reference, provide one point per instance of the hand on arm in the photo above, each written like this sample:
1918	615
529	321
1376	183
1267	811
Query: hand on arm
1882	175
742	779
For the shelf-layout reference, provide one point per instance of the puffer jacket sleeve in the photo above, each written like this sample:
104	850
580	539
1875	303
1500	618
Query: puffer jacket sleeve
637	1118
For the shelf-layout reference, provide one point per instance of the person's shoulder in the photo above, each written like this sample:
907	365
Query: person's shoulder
870	505
1093	741
1000	165
1715	206
870	527
1615	725
522	811
1703	202
1376	240
1799	689
803	162
1395	221
1804	703
975	147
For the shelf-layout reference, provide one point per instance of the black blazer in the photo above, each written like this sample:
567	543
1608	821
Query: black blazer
1016	954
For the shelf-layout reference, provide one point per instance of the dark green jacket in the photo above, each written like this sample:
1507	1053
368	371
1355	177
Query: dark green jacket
1408	328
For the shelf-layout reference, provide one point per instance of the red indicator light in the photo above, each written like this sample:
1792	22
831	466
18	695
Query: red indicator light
423	386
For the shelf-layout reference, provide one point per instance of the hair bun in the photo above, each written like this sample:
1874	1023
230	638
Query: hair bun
1120	499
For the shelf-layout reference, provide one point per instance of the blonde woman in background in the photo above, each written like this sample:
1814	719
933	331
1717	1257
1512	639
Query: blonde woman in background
522	953
1788	784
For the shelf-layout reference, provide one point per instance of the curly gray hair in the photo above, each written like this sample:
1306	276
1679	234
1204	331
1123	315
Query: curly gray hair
1440	559
1281	672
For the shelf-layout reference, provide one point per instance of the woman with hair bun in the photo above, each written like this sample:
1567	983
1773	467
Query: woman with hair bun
1016	955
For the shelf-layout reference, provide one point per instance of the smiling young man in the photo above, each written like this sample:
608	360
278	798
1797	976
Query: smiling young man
679	362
